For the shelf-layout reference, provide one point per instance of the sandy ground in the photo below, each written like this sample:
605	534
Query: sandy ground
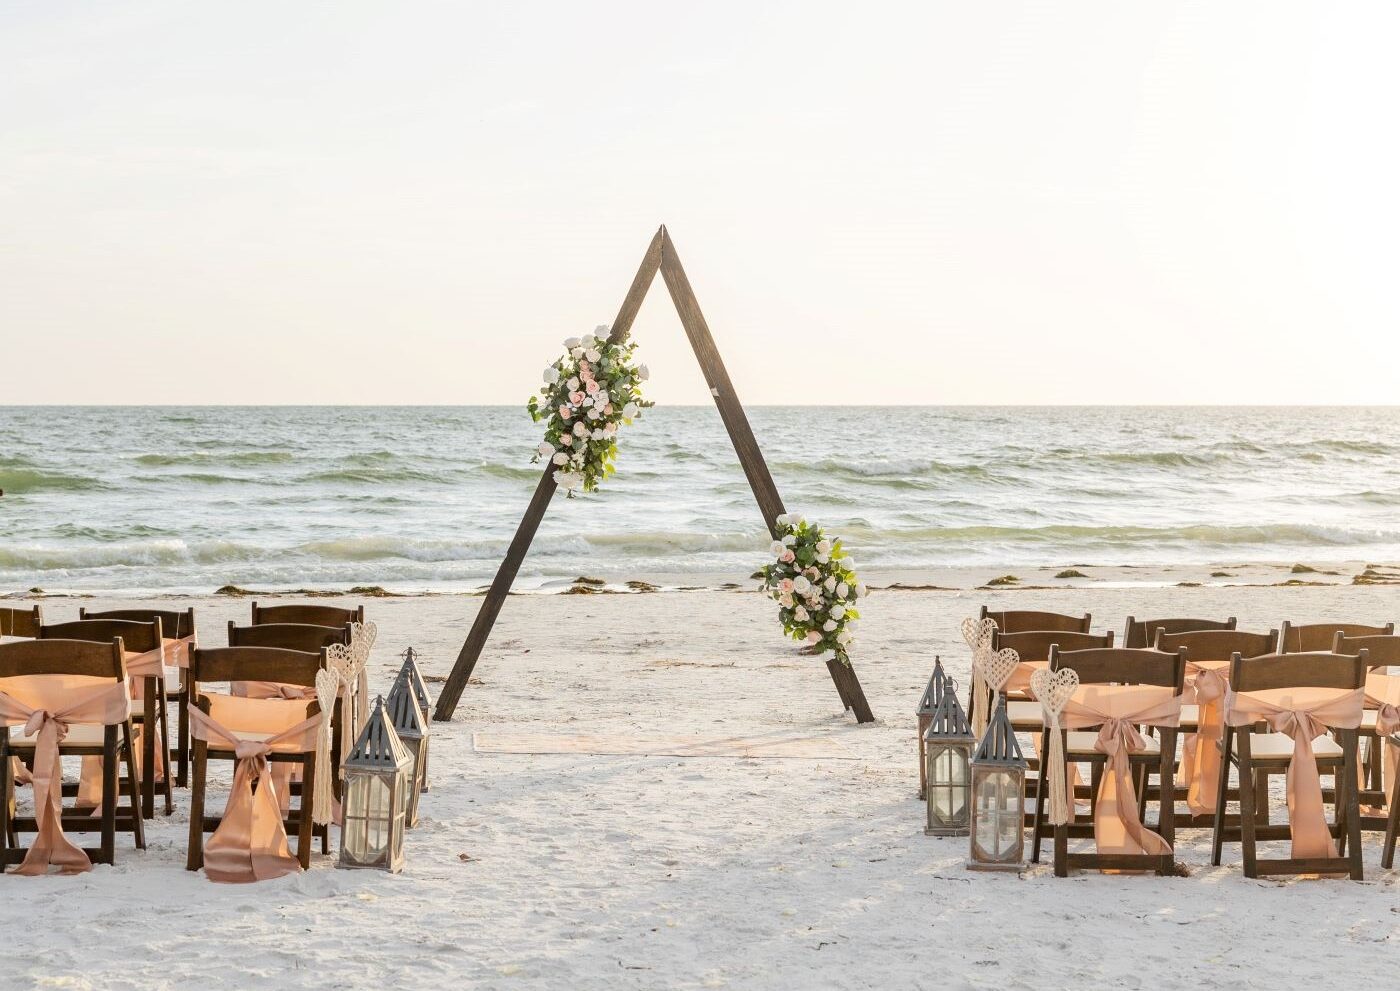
639	872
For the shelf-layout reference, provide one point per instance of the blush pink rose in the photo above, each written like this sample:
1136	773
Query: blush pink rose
785	584
565	412
813	637
607	410
591	387
575	398
584	370
788	557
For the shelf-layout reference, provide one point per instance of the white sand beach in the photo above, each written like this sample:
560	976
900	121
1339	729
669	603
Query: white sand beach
702	872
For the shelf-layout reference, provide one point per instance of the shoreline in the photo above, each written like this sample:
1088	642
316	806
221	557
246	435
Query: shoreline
1006	578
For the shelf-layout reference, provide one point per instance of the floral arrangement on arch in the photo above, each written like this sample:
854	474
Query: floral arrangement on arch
587	394
814	582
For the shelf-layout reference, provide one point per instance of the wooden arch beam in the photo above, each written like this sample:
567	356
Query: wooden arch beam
661	255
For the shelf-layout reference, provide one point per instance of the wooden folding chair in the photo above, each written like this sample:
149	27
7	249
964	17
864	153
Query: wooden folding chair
23	623
177	630
288	636
267	664
1318	637
1025	620
1119	667
142	643
1143	632
44	674
1252	746
1382	688
307	614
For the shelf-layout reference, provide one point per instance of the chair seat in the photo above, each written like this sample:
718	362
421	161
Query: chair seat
1190	717
1082	742
1278	747
1024	715
79	735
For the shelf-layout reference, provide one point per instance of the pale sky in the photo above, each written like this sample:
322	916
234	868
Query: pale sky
924	202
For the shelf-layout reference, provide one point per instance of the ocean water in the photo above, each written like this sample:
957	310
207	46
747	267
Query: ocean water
417	498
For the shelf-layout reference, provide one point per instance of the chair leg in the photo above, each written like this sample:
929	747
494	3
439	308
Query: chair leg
1166	796
182	718
109	795
1350	806
133	783
1261	795
167	784
1392	826
148	750
1062	850
194	858
7	808
1218	841
305	824
1247	811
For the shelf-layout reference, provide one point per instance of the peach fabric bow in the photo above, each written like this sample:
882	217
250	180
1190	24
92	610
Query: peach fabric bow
250	843
1118	710
1304	714
1383	693
49	706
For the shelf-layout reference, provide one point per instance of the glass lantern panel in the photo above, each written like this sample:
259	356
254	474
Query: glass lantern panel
999	820
377	832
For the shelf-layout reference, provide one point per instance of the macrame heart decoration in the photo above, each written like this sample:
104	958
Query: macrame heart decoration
992	669
978	633
327	687
1054	690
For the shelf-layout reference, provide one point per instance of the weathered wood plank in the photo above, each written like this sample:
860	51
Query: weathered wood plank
534	512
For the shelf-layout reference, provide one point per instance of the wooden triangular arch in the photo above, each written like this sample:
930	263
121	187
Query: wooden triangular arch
660	255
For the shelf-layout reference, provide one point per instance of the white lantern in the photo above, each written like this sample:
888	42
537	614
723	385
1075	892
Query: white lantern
408	724
948	745
378	789
420	692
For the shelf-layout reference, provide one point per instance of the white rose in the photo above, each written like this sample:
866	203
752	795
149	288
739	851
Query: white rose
800	614
823	546
848	564
601	331
789	540
785	600
860	590
580	430
837	611
561	458
551	375
598	434
782	520
601	399
545	448
592	413
830	583
643	372
829	625
567	479
800	585
572	384
630	410
844	637
776	548
587	341
571	343
576	353
798	519
843	590
823	558
592	355
610	430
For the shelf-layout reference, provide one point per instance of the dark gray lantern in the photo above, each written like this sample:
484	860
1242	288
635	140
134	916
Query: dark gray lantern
948	744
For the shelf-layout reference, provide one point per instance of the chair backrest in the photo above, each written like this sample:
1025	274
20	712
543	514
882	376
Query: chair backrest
284	667
173	624
1123	665
136	637
1034	645
1217	645
1024	620
307	614
288	636
72	657
1383	651
1143	632
1318	637
1314	669
20	622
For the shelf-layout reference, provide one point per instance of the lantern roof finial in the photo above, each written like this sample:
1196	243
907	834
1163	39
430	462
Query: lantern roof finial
420	688
999	746
948	720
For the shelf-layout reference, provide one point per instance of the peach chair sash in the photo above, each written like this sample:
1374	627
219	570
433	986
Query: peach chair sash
250	843
46	706
1118	711
152	663
325	691
1383	694
1200	754
1304	714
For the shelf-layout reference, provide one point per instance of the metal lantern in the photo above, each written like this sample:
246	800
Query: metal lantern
378	789
927	704
998	810
420	693
408	724
948	744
